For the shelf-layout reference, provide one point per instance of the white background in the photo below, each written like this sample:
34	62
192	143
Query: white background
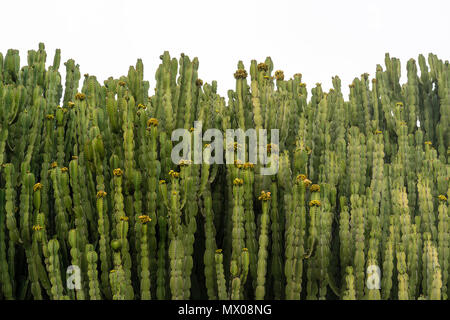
319	39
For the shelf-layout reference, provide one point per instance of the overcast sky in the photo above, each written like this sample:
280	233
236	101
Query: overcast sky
319	39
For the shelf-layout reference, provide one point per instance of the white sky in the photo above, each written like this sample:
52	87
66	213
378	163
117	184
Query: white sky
319	39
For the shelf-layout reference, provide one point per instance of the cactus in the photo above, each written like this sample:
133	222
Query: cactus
263	242
93	184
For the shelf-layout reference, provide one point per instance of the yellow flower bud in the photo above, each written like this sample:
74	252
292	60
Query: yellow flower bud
117	172
240	74
314	203
80	96
262	67
101	194
144	219
265	196
152	122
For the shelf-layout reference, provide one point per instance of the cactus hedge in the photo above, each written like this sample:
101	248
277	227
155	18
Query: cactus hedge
93	207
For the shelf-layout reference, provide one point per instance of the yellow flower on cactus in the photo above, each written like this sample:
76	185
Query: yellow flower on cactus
124	218
238	182
248	165
117	172
428	143
442	197
80	96
144	219
174	174
240	74
315	188
378	132
71	104
122	83
162	181
219	251
184	162
265	196
238	163
152	122
54	164
50	117
37	228
279	75
141	106
101	194
301	177
37	186
262	66
64	169
314	203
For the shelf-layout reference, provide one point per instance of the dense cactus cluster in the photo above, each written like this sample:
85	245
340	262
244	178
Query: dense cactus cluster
93	207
